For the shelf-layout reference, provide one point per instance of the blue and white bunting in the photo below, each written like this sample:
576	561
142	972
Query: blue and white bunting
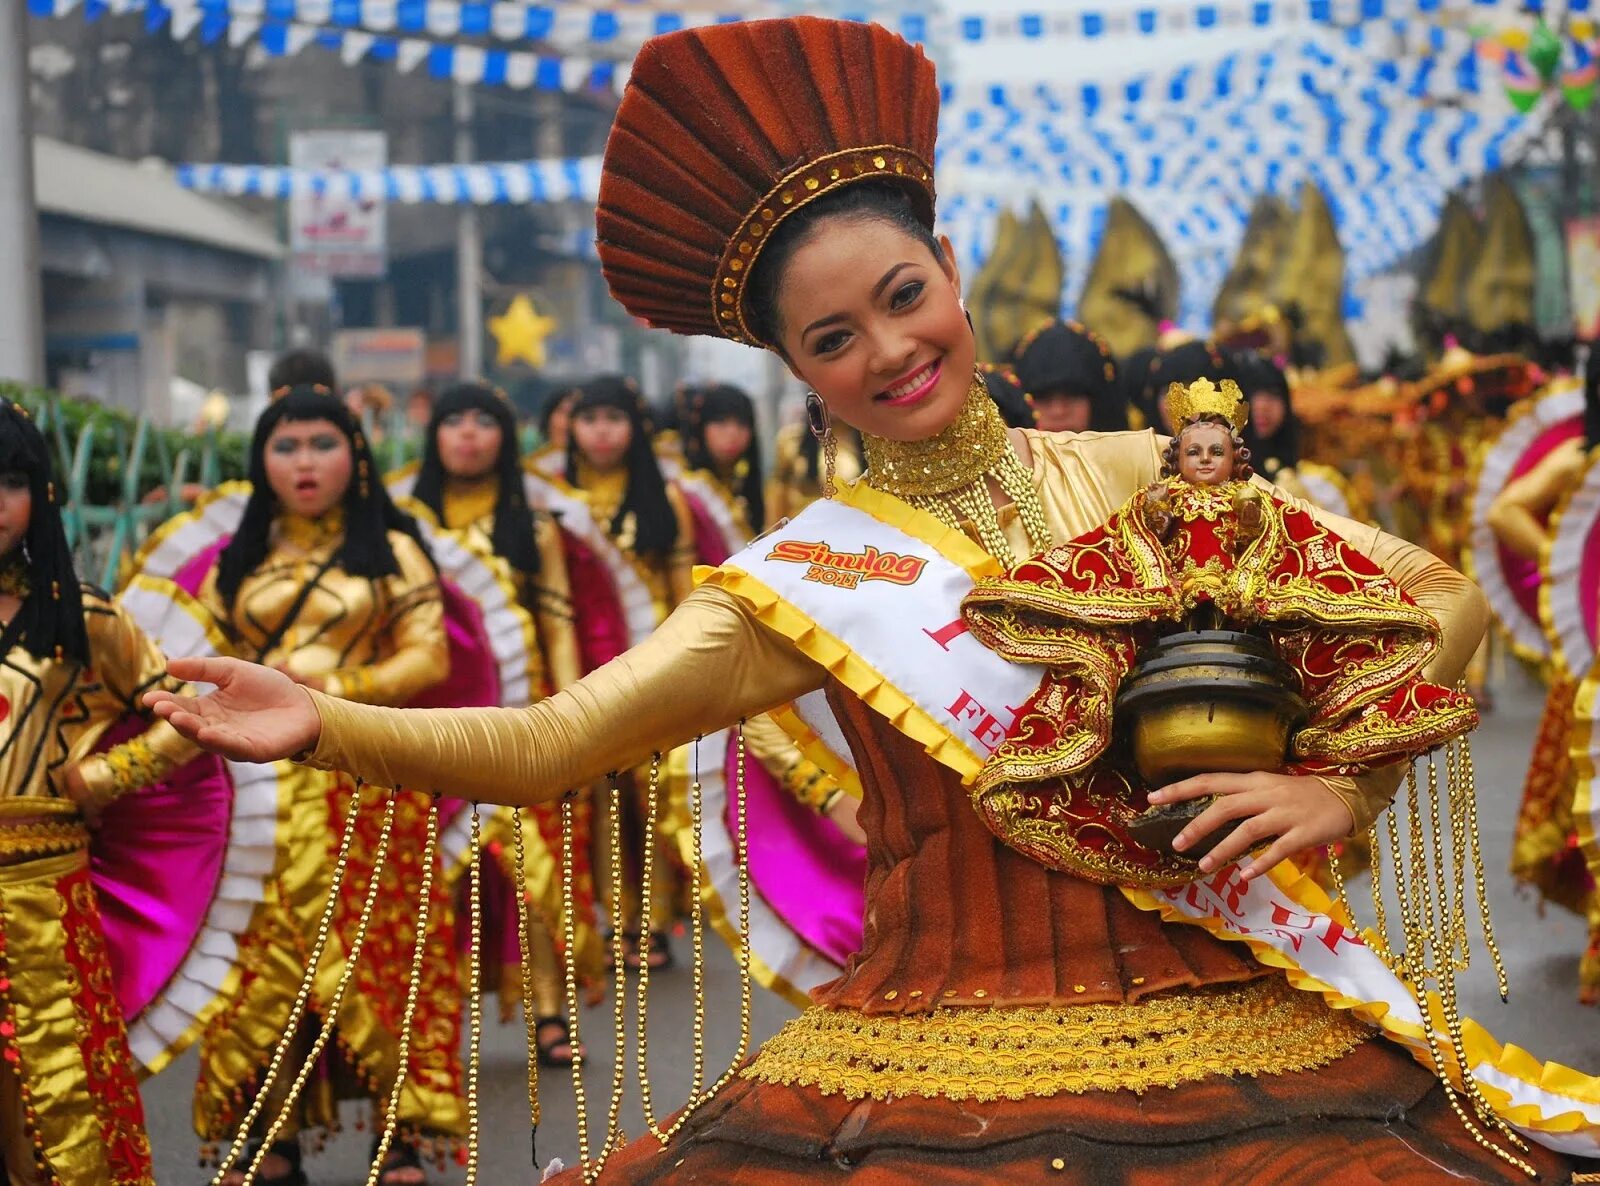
486	183
624	28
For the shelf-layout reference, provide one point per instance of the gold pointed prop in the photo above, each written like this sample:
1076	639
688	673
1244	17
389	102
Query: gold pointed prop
1131	257
981	293
1246	292
1311	280
1499	289
1455	246
1025	290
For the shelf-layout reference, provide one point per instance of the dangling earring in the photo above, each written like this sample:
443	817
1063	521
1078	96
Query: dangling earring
821	426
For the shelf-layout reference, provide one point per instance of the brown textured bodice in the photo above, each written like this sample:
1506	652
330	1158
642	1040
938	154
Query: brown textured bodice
954	917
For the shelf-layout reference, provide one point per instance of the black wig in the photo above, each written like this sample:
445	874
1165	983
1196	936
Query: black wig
700	406
1256	374
1064	358
512	537
1184	364
370	514
1015	408
655	522
50	622
1591	397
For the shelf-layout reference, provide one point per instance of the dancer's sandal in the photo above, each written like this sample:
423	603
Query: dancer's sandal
549	1049
403	1166
288	1150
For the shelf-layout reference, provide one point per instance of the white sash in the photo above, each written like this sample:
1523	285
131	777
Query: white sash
892	599
896	601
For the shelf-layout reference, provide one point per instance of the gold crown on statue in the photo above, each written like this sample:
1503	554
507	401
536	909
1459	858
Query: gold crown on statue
1203	397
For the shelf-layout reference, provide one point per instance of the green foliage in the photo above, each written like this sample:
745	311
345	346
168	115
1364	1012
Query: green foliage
113	433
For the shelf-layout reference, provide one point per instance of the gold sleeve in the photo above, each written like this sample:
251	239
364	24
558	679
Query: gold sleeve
1518	514
129	665
418	653
810	785
552	606
709	665
1455	602
681	560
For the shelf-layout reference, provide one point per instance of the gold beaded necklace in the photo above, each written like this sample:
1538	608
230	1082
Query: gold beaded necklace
948	475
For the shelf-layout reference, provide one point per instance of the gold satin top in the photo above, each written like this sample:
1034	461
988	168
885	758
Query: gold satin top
1520	514
55	712
469	509
713	663
669	578
377	641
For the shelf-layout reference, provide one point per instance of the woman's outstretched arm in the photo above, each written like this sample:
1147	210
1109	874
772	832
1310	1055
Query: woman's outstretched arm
708	666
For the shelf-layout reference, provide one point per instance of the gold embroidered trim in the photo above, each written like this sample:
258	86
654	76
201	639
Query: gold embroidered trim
44	838
1263	1027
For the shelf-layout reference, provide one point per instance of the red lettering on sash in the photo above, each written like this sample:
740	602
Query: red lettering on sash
946	635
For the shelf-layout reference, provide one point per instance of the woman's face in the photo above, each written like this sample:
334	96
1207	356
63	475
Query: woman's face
469	443
16	510
727	440
873	323
308	466
602	436
1062	411
1205	455
1267	412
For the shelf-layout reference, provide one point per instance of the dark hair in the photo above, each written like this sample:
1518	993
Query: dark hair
1591	397
1184	364
1015	408
1134	376
862	201
50	622
547	413
370	514
512	535
655	522
1241	452
700	406
1256	374
1064	358
301	368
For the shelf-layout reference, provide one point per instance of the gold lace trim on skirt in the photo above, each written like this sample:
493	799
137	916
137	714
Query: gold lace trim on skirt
1263	1027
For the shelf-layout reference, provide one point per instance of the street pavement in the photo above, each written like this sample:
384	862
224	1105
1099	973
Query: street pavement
1541	949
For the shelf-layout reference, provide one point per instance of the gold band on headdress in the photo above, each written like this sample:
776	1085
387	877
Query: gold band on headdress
800	188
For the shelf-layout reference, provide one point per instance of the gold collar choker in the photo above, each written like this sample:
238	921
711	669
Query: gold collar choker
948	475
962	452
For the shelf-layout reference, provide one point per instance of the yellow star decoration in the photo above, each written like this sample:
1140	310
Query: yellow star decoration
520	333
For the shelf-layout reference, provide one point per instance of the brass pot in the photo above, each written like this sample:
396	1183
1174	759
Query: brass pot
1207	702
1204	702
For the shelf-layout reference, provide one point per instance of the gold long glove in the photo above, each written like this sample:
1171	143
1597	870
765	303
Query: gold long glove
708	666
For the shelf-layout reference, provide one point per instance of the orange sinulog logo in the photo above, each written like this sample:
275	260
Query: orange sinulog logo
848	569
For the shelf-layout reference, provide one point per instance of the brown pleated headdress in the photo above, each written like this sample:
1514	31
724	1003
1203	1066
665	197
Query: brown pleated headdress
725	131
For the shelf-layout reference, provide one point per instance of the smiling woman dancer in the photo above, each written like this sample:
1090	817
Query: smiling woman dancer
771	182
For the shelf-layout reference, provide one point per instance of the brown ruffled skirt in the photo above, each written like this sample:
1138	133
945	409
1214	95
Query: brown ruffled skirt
1371	1117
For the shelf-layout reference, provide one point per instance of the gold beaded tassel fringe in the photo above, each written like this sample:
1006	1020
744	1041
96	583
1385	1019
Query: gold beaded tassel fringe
474	992
1428	870
303	995
391	1110
525	945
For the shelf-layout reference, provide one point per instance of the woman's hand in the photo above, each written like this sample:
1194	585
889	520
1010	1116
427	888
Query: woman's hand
256	714
1299	810
316	683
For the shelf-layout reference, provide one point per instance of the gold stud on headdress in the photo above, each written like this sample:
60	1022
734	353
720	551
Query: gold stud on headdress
1203	397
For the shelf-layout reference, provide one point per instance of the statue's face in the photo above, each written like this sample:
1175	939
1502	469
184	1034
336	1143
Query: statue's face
1205	455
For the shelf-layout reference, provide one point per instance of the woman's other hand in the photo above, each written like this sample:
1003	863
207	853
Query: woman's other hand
1295	812
255	714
